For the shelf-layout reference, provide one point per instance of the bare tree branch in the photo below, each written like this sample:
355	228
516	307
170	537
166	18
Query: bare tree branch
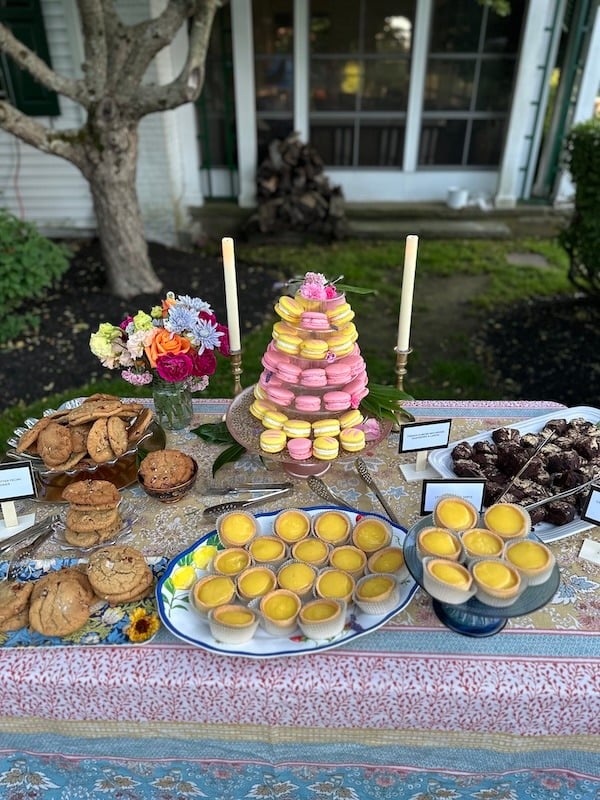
66	144
188	84
38	69
94	40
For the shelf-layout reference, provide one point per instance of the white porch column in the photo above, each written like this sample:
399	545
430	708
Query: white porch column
417	84
589	88
245	100
301	68
526	89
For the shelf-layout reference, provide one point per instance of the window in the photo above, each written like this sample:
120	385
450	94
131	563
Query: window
359	78
468	83
25	20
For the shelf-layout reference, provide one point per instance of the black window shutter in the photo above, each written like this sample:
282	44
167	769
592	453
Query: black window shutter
25	20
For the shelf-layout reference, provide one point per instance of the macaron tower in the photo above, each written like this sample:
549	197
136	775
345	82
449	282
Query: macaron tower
313	377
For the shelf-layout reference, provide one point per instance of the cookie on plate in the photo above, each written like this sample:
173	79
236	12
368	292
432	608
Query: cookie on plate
91	494
60	602
119	574
54	444
14	598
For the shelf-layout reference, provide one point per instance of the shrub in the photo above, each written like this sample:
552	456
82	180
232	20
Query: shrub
581	239
30	264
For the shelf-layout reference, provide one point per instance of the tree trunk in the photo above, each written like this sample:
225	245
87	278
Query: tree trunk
111	172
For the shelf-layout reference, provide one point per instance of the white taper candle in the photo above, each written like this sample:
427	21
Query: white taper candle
231	295
408	286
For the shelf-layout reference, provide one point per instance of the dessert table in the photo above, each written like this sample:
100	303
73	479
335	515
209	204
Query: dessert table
411	710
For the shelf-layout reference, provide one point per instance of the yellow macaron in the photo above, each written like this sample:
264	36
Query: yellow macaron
352	439
272	441
340	315
297	429
326	448
340	345
288	309
326	427
259	408
350	419
274	420
315	349
288	343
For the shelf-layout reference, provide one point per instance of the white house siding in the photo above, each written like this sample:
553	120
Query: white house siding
37	187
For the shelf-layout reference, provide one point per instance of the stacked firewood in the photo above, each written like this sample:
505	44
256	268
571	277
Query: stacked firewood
294	194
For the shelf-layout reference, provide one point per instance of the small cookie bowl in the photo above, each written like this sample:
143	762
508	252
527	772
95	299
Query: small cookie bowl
169	494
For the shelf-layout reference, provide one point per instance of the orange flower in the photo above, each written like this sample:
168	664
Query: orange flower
166	305
165	343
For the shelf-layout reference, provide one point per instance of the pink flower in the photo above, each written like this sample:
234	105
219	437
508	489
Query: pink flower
330	292
136	378
126	321
175	368
204	364
224	347
313	291
371	429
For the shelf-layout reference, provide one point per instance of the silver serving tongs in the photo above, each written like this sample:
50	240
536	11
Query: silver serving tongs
250	488
319	487
29	533
366	476
233	505
26	551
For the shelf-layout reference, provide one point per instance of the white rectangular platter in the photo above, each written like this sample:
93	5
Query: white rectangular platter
441	461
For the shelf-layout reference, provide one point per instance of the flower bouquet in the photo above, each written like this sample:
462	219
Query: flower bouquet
173	348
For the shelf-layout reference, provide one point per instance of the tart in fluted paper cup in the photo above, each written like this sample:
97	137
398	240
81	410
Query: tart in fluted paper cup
508	520
376	594
312	550
269	551
388	559
279	612
292	525
350	559
231	561
436	542
297	576
334	584
332	526
233	623
532	559
371	534
455	513
236	528
211	591
255	582
498	583
322	618
447	581
480	543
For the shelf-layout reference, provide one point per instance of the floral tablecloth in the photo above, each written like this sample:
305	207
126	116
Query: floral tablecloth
411	710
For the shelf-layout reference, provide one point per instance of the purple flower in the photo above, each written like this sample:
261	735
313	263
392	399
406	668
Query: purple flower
175	368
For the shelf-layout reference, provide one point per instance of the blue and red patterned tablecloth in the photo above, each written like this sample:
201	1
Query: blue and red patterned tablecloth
411	710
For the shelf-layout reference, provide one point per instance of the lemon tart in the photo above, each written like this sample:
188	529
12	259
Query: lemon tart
231	561
296	576
438	542
507	520
232	624
236	528
255	582
292	525
267	550
349	558
332	527
479	542
498	582
279	610
371	534
212	591
334	583
322	618
447	581
455	513
388	559
311	550
531	558
376	594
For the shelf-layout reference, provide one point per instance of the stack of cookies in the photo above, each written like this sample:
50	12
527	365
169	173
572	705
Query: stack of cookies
93	515
60	602
119	574
101	429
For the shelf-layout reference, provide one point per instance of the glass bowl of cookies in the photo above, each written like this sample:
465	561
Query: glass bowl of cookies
96	437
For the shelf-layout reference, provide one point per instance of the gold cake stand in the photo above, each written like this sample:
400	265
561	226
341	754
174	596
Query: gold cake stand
246	430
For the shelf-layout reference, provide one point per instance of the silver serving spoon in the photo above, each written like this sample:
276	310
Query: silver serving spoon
320	488
366	476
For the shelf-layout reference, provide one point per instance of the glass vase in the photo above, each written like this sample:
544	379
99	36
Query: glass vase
173	404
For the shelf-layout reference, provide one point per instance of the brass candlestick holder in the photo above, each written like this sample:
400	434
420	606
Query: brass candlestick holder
400	369
236	369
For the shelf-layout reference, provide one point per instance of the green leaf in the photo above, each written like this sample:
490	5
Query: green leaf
344	287
214	433
227	456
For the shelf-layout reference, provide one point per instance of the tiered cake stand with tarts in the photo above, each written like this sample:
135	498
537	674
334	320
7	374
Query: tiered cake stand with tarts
474	618
246	430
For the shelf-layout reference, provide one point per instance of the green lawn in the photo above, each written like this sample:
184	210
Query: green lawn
377	265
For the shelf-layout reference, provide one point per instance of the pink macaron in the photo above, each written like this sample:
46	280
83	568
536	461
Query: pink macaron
338	373
289	372
300	448
267	380
279	395
356	364
337	401
314	321
357	384
313	377
308	402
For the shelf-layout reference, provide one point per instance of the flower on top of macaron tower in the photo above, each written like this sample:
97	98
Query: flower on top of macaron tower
175	342
315	286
